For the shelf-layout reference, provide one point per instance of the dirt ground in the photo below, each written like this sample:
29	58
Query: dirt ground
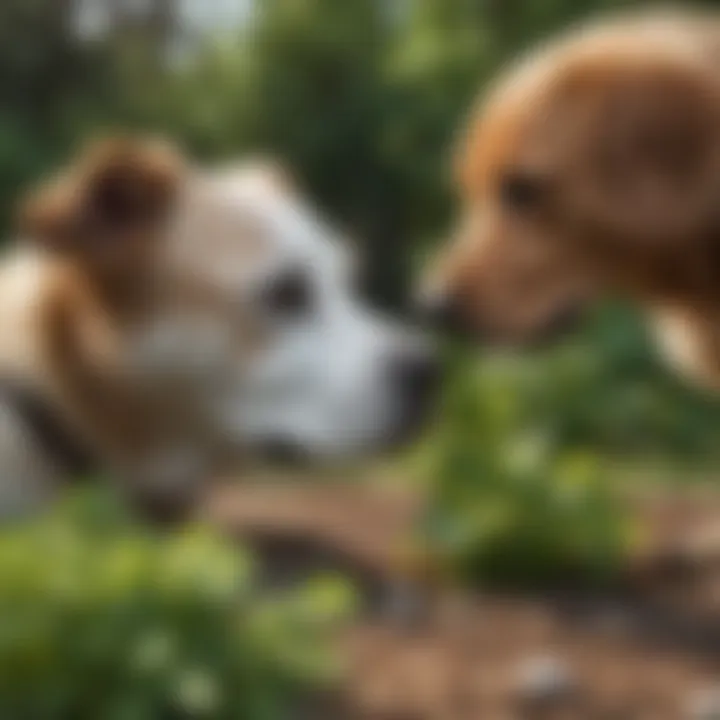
648	650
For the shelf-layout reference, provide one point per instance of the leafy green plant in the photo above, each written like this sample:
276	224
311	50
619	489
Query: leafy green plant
102	620
512	505
609	390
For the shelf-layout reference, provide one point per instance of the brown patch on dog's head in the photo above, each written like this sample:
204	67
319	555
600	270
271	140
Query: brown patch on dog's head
594	165
108	208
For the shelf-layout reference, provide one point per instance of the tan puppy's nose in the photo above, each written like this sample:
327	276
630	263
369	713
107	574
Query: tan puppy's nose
441	312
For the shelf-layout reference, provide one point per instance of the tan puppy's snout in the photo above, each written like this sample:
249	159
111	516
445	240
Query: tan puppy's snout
449	317
566	320
442	313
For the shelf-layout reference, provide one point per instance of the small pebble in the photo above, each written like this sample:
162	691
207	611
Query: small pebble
704	704
544	679
615	621
405	605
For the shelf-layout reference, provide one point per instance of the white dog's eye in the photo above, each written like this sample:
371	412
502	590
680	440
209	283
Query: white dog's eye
290	294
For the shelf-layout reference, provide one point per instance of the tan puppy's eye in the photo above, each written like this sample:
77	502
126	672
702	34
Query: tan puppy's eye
521	192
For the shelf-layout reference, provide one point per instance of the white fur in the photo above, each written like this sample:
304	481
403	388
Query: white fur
323	380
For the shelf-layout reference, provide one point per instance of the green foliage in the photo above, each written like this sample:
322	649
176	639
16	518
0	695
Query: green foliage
512	504
607	391
102	620
523	492
52	87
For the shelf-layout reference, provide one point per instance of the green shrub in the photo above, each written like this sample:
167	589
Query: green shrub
608	390
512	504
100	620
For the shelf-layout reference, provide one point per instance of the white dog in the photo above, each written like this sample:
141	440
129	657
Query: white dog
160	319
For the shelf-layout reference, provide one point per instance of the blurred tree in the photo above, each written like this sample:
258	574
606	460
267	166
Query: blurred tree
306	82
46	76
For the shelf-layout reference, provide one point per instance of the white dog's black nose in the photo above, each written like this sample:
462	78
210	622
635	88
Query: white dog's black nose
417	374
416	378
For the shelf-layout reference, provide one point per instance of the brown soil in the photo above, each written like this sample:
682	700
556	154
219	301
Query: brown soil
649	650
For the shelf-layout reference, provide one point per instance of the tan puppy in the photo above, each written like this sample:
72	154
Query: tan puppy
594	166
162	319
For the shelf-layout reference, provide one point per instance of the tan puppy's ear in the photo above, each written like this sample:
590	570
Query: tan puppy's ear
645	147
117	188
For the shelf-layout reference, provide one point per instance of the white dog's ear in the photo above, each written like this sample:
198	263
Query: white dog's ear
117	188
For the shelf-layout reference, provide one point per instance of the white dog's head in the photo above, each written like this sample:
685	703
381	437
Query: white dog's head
303	365
252	312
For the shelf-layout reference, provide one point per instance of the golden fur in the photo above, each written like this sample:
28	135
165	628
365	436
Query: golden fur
594	166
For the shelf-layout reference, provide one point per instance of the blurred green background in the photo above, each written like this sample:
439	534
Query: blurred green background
361	99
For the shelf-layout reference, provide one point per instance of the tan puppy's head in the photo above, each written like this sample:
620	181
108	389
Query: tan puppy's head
593	166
